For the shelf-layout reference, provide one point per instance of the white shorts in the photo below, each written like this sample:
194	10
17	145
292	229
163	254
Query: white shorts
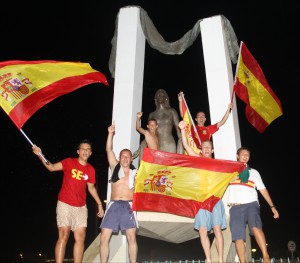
73	216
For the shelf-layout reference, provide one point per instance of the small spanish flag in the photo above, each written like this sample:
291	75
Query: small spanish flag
251	86
181	184
189	126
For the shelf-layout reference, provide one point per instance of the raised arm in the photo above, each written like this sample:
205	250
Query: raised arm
180	98
185	144
50	166
225	117
138	125
111	157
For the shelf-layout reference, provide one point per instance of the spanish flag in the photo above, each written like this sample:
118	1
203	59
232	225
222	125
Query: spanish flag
181	184
251	86
189	125
26	86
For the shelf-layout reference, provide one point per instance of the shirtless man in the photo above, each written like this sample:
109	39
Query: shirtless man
150	134
119	215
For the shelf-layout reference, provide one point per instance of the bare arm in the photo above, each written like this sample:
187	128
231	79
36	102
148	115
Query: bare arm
225	117
264	192
138	121
49	166
180	98
188	148
93	191
112	160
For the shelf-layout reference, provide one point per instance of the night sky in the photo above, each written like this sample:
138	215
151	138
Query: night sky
67	31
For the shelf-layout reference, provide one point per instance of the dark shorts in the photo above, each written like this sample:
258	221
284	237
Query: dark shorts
119	216
240	216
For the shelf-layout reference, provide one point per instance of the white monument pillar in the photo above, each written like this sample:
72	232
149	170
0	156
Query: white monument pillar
128	91
219	79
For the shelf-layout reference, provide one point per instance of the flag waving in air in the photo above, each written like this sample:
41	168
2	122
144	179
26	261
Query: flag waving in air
26	86
189	126
181	184
251	86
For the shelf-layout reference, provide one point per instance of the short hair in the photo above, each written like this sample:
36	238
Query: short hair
125	150
200	111
242	149
211	143
85	141
152	120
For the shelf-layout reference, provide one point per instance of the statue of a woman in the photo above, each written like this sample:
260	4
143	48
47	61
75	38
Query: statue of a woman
167	120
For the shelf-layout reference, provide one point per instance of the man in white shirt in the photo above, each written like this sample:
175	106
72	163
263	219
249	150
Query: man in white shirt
245	208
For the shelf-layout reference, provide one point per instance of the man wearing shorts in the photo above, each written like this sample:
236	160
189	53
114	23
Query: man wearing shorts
71	209
245	209
119	215
205	220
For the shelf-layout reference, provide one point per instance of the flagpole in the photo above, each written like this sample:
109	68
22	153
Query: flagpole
236	70
195	130
47	162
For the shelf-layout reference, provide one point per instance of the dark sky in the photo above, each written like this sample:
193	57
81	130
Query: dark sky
70	31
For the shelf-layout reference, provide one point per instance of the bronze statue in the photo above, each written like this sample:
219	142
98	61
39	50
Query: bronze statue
167	119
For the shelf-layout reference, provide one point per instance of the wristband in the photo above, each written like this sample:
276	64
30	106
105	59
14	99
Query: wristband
272	206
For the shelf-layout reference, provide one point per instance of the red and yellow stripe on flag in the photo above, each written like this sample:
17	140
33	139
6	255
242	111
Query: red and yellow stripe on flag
263	106
180	184
26	86
189	125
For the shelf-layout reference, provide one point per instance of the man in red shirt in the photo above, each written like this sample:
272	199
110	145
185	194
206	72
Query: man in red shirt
204	132
71	209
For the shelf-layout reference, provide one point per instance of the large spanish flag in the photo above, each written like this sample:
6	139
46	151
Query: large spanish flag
26	86
189	125
263	106
180	184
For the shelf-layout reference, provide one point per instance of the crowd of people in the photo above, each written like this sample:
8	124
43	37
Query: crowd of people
79	175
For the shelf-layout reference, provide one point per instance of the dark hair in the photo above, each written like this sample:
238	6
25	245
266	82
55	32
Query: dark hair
200	111
241	149
85	141
152	120
211	143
